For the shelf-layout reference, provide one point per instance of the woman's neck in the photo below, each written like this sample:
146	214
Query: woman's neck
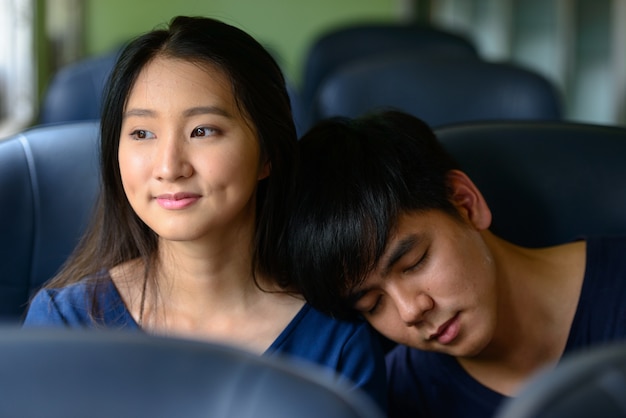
207	292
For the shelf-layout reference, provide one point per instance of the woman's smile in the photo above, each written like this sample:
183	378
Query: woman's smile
177	201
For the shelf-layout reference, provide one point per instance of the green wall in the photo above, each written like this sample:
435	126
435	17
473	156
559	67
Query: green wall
286	27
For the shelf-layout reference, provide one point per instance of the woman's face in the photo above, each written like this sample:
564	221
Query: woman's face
189	159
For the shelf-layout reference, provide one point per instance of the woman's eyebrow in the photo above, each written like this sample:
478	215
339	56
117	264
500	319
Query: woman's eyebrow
203	110
197	110
140	113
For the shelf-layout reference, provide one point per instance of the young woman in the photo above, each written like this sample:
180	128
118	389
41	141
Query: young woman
198	158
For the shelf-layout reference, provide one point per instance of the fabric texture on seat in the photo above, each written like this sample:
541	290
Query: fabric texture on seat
545	182
342	45
60	373
439	90
76	91
591	383
50	178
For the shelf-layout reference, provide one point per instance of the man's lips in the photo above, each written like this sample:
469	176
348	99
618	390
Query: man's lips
447	332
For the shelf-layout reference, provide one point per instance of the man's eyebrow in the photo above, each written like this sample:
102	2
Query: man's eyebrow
398	251
354	297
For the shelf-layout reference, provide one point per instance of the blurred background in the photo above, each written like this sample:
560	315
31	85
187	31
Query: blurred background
579	45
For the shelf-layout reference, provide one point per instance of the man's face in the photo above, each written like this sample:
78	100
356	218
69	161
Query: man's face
434	287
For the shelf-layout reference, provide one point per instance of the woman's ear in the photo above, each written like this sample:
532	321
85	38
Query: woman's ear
468	200
264	171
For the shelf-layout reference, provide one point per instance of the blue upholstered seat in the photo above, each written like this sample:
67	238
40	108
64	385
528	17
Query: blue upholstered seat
75	92
589	383
342	45
438	89
545	182
49	179
59	373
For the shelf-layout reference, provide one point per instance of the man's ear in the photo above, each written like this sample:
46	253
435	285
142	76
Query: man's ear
468	200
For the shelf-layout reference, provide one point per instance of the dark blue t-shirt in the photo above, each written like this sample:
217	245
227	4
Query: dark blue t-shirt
427	384
349	349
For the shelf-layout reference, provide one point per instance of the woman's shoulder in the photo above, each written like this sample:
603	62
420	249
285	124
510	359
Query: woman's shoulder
312	318
350	348
75	293
74	304
312	330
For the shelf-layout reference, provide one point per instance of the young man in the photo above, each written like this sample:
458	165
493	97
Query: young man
388	227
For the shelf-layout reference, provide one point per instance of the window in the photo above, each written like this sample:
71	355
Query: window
17	65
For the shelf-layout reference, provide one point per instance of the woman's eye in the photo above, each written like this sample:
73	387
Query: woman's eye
203	131
142	134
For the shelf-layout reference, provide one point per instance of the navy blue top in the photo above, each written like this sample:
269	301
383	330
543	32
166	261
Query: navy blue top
428	384
348	348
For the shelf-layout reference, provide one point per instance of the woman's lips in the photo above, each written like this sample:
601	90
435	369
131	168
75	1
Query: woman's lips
177	201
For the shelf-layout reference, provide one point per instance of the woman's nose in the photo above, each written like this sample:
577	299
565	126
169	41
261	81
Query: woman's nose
171	161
